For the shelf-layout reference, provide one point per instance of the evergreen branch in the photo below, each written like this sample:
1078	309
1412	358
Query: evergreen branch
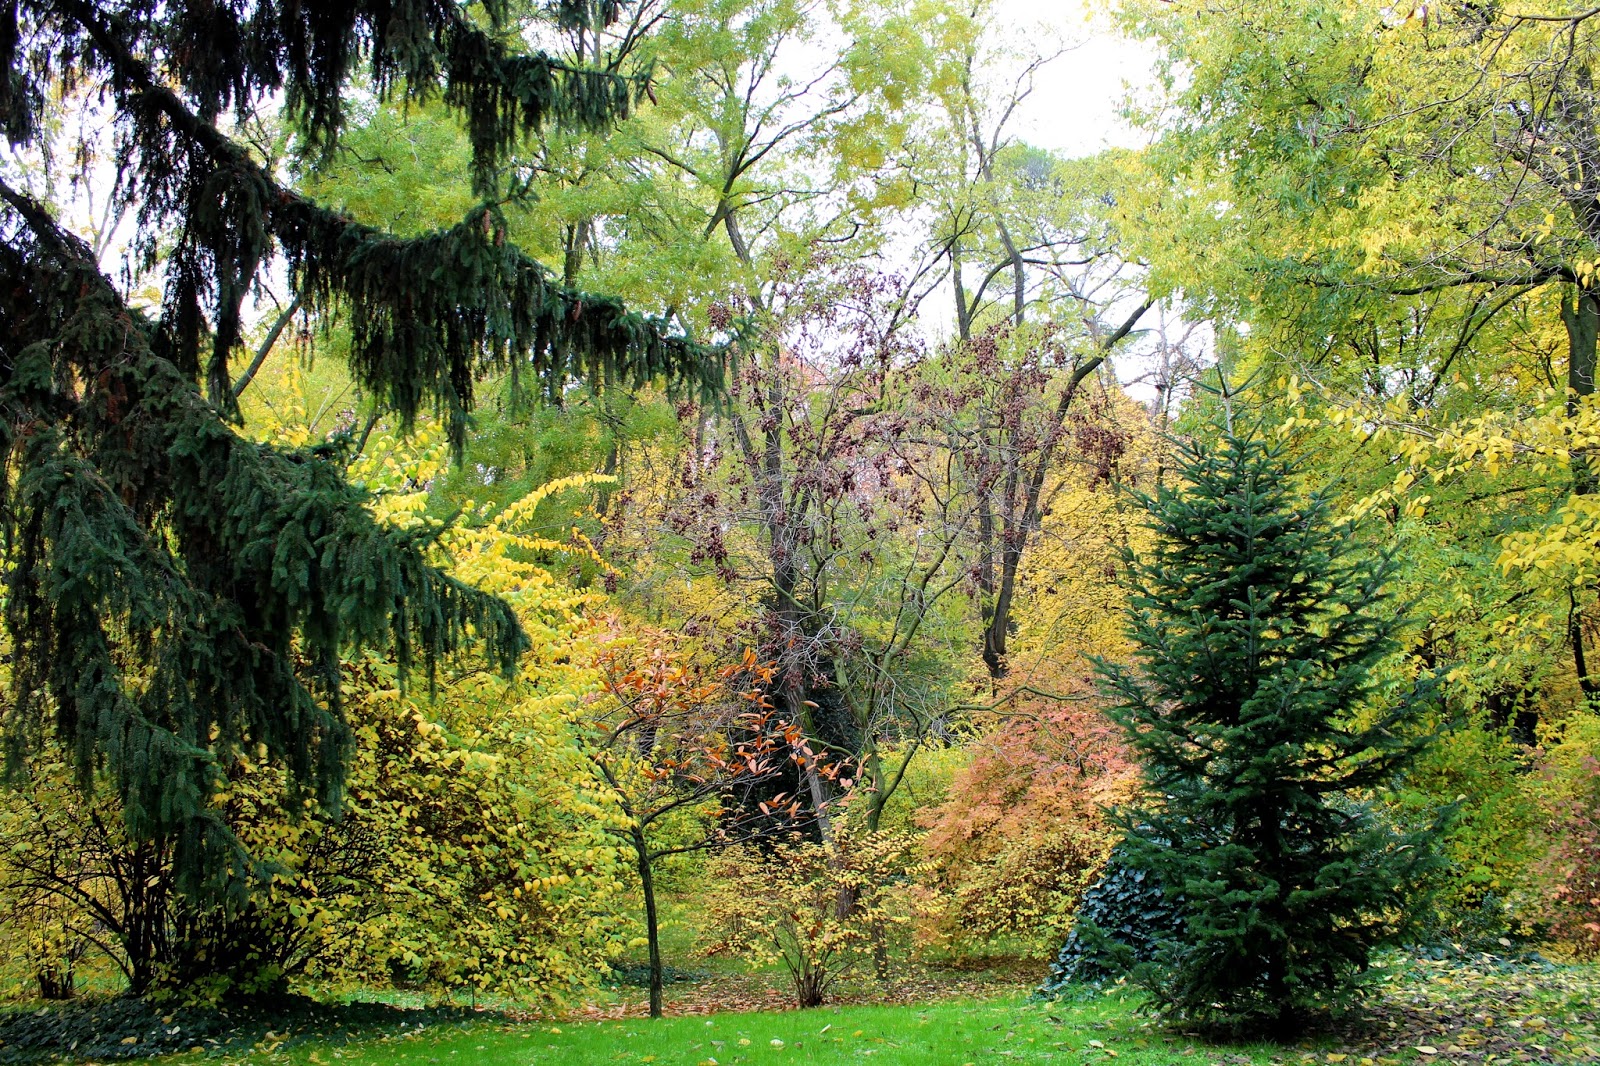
309	52
168	581
428	314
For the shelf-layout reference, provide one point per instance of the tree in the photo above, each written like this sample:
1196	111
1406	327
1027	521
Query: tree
1025	828
820	512
175	592
1012	408
1261	711
1026	824
1399	203
671	742
1043	296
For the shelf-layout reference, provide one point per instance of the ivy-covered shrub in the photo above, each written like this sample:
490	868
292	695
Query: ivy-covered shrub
1122	919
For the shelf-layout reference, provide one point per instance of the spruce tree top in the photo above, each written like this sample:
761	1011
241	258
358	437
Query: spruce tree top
175	592
1255	614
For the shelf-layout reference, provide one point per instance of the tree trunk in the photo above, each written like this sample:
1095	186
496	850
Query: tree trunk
1581	316
997	614
56	980
652	922
577	240
963	312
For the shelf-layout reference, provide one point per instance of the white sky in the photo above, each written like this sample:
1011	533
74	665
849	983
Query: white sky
1074	106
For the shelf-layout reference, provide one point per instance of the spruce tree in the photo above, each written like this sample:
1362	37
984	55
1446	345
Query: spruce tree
1260	707
176	594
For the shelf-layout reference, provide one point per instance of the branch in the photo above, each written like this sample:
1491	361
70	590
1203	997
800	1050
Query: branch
266	347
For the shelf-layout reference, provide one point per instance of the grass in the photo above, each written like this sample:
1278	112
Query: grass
945	1034
1482	1010
1457	1009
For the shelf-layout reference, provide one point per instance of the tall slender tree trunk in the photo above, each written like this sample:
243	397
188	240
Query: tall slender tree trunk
1581	316
652	921
963	312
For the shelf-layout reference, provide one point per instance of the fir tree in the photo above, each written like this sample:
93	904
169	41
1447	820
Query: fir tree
177	595
1261	711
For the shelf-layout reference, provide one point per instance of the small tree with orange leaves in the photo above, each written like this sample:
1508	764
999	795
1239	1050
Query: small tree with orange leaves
671	737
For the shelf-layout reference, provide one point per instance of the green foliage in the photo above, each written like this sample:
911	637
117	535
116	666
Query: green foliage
475	849
1405	288
478	855
925	787
1261	718
160	661
1489	787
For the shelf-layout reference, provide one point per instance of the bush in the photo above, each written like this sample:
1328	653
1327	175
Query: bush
819	909
1024	830
1491	840
468	856
1124	918
476	848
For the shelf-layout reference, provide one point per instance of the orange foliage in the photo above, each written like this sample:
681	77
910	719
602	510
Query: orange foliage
1024	828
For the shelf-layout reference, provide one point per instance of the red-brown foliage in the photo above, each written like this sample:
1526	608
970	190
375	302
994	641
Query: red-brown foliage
1574	865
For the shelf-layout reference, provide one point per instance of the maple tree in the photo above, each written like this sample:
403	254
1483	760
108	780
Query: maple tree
682	753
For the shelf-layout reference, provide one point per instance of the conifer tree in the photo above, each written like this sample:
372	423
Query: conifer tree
1261	712
177	595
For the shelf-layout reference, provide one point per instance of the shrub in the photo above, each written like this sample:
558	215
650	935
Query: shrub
1024	830
469	856
819	909
1122	921
1492	840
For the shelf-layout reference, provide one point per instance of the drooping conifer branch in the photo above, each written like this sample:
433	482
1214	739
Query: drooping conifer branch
228	56
177	596
168	581
429	315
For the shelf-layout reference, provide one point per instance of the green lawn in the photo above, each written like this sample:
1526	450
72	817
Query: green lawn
946	1034
1482	1011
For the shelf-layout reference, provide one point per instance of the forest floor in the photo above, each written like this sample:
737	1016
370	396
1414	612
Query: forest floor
1462	1010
